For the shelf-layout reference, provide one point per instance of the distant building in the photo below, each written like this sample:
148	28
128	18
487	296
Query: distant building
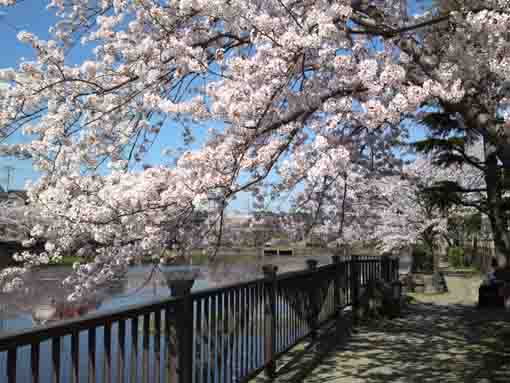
13	197
12	204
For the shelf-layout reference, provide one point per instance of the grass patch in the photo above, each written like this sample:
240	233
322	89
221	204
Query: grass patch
464	270
416	296
67	260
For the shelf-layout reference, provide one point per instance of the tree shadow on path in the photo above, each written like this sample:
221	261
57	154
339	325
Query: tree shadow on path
429	343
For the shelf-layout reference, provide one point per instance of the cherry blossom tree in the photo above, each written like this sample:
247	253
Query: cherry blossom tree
417	213
278	78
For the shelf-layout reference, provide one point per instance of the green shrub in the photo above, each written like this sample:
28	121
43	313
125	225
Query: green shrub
422	259
456	256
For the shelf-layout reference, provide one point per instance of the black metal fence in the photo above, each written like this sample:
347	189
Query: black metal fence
480	258
226	334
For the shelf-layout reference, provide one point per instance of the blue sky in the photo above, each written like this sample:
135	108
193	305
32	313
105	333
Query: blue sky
35	18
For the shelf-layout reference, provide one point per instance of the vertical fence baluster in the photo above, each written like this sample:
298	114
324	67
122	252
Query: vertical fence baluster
297	323
249	329
55	357
214	337
337	282
157	346
145	355
34	362
276	343
270	319
121	345
227	337
252	327
345	281
218	336
107	358
355	281
292	324
261	323
361	268
278	320
199	341
235	361
134	350
221	344
12	356
75	356
220	325
207	354
312	267
284	318
92	354
298	313
243	332
233	341
291	321
244	310
232	336
169	378
194	344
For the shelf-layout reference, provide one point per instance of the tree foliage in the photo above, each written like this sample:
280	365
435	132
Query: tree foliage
296	94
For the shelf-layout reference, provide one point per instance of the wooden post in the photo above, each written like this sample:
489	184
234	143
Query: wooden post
181	357
270	272
314	304
355	285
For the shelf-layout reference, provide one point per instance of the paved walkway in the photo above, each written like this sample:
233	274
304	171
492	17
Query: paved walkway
441	338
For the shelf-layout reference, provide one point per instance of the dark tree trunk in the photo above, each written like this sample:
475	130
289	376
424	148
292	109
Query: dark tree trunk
495	211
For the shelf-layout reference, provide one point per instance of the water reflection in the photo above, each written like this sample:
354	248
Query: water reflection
44	299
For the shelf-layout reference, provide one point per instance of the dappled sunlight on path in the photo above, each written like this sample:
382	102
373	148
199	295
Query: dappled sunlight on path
438	339
431	343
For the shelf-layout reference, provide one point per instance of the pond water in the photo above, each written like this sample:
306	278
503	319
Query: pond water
45	297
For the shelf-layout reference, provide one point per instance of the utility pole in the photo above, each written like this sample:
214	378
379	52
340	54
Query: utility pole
10	170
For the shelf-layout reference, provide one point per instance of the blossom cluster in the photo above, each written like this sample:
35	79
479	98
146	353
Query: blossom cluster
293	94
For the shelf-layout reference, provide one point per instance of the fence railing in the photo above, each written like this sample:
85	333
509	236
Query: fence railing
219	335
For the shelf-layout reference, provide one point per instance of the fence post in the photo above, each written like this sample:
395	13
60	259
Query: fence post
270	272
355	285
396	268
311	265
385	268
337	283
182	355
